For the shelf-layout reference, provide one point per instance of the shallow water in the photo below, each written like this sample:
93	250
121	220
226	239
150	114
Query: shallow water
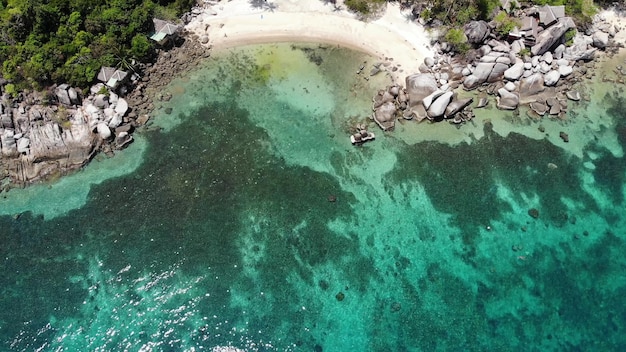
217	230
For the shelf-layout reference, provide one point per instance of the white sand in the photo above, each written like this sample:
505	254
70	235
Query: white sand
616	20
391	37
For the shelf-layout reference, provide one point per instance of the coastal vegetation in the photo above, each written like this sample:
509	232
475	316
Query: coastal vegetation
459	12
43	42
67	41
453	14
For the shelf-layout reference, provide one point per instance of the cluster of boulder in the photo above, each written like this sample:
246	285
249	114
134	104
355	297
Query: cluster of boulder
540	75
50	134
536	65
361	135
428	95
45	134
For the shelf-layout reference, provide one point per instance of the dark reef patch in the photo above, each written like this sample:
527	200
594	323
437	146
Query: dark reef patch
610	171
460	180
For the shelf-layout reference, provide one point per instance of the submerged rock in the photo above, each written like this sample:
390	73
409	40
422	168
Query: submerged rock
573	95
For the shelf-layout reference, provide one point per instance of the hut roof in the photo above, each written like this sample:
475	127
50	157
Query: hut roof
116	78
549	14
161	26
106	73
111	76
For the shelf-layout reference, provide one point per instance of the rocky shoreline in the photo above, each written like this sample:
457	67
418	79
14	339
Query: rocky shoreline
45	135
542	74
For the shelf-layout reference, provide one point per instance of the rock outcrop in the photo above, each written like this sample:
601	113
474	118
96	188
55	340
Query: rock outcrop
38	141
476	31
55	133
552	35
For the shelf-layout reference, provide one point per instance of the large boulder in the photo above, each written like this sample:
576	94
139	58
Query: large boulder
23	144
123	139
514	72
572	95
62	95
497	72
385	116
552	35
483	70
438	108
539	108
480	75
507	100
476	31
471	82
115	121
430	98
79	140
121	107
565	71
457	105
7	142
551	78
46	143
558	51
73	95
517	46
547	57
419	86
600	39
531	85
101	101
103	130
382	97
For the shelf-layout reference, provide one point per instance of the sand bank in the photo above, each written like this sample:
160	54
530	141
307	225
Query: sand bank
391	37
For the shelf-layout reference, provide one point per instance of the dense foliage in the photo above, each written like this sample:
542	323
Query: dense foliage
453	14
52	41
364	7
459	12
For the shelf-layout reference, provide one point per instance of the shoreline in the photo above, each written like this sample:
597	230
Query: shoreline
401	46
391	38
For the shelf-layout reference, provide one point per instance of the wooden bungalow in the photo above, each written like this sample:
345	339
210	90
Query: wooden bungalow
164	32
112	77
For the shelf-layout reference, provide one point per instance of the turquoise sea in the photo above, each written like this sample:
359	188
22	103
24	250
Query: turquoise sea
215	230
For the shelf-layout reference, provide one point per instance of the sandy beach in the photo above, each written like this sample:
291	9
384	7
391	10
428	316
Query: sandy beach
390	37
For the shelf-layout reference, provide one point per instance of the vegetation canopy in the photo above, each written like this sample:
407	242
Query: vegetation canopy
53	41
67	41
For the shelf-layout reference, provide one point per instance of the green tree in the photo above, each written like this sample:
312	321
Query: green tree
504	23
141	47
456	37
